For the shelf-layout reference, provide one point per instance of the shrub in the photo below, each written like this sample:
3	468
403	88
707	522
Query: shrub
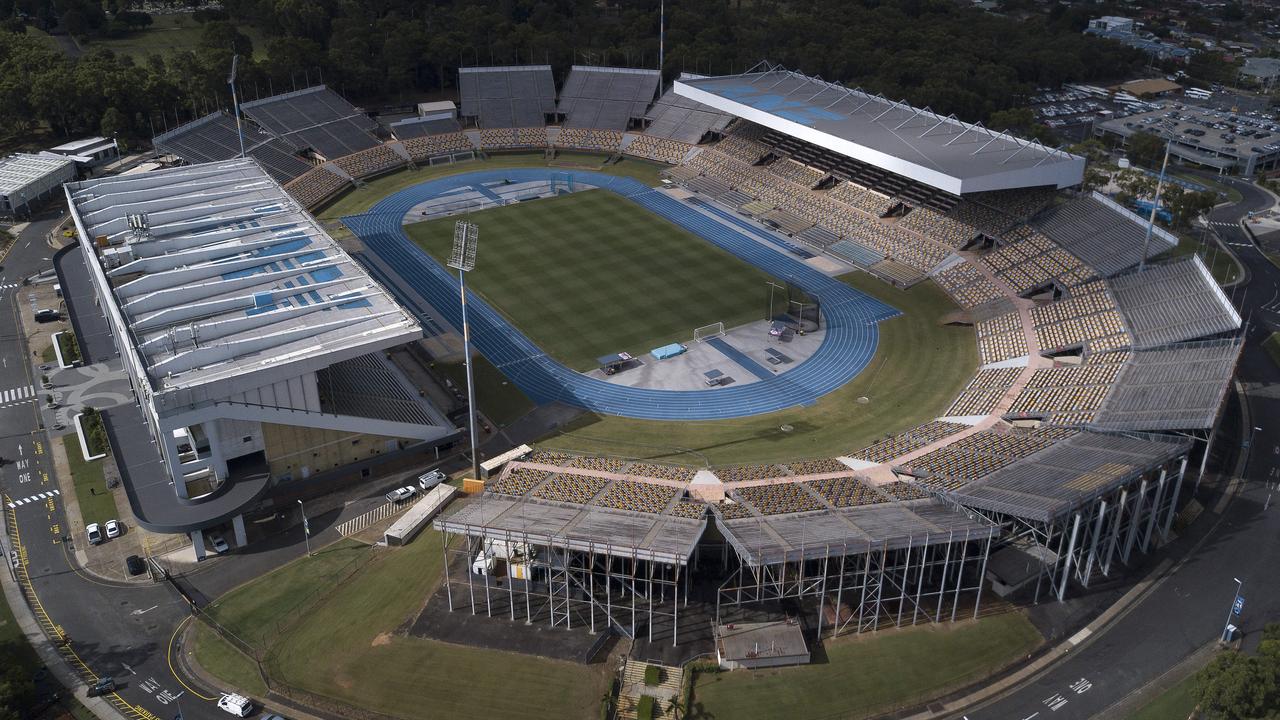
652	675
645	708
95	433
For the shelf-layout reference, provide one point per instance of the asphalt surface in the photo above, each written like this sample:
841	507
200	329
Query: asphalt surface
1189	608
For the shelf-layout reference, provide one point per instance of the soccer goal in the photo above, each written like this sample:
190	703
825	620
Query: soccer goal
706	332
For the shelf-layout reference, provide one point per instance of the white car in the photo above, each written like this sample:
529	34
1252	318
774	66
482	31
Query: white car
94	533
426	481
401	494
219	543
114	528
237	705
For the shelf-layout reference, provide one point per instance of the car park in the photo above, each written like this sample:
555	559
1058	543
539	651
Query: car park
219	543
401	494
93	532
237	705
428	480
113	528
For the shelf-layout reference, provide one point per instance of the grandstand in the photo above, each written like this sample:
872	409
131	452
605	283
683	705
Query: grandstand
606	98
215	137
1179	387
517	96
420	127
316	118
1173	302
678	118
1104	235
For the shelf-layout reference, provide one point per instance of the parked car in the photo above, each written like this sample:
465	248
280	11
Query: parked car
237	705
114	528
135	565
94	533
104	686
44	315
426	481
219	543
402	494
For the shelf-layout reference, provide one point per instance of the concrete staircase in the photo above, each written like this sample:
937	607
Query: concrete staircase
633	687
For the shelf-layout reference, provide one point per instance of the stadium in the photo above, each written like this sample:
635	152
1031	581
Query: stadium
750	296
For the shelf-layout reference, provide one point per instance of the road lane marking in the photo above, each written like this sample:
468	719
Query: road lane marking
48	495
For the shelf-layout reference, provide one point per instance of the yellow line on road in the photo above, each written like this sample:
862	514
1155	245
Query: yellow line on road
169	658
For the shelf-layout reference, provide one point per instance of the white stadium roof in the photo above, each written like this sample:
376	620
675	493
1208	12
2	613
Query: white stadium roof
942	152
231	284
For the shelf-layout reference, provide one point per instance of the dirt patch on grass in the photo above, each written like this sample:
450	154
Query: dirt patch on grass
383	638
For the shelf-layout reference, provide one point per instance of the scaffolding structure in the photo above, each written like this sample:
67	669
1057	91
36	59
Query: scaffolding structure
894	582
566	583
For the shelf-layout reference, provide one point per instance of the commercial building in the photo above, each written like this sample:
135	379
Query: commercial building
89	153
26	178
1231	143
256	347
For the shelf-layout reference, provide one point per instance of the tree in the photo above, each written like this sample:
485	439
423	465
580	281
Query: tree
1134	184
1186	204
1236	687
1146	149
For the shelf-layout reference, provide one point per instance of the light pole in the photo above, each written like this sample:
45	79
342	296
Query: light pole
235	104
1155	206
1232	609
306	527
466	238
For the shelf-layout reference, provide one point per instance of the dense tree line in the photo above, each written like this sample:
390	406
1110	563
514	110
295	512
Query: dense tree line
933	53
1236	686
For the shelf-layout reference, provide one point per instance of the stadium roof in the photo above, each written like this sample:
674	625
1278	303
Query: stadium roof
1063	476
942	152
226	279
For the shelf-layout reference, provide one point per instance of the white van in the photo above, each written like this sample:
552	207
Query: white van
237	705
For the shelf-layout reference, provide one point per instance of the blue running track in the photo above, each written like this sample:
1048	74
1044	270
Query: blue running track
851	317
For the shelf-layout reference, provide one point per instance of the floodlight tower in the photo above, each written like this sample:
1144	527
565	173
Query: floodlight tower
235	103
1155	206
466	237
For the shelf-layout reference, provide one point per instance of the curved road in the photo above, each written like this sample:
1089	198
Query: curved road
1188	608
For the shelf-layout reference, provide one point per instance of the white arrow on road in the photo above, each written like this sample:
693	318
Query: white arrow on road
140	612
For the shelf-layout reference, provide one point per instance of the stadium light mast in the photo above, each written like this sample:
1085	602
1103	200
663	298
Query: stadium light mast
235	103
1155	205
466	238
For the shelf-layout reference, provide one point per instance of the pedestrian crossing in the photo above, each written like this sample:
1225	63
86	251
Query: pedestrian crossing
33	498
9	286
1223	224
16	395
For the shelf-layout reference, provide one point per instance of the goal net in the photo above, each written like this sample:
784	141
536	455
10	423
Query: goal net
706	332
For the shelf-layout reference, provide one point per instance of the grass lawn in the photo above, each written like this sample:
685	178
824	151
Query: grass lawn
1175	704
1232	194
1272	346
346	647
166	34
1220	264
498	398
48	355
590	274
918	369
361	199
97	504
218	657
873	673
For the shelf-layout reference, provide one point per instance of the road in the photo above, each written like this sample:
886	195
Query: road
1189	608
114	629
